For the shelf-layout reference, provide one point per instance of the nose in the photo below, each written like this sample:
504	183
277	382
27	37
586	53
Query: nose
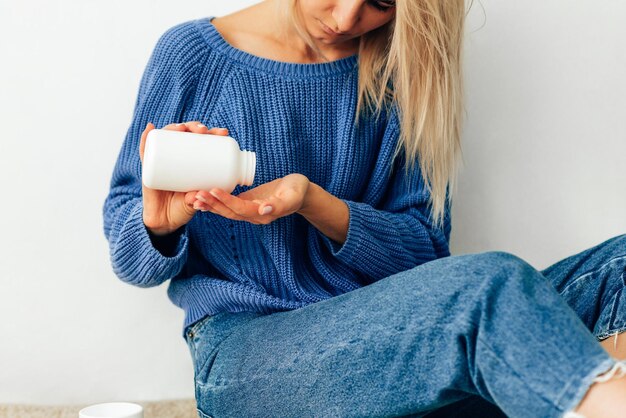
346	14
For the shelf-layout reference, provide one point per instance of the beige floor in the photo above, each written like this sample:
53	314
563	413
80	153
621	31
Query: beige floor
183	408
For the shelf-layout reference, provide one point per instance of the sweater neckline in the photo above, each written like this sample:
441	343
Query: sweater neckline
216	40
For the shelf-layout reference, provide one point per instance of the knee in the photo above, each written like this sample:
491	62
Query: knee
472	276
616	243
499	259
498	269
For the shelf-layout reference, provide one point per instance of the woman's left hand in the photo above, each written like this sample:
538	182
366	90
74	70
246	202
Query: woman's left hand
261	205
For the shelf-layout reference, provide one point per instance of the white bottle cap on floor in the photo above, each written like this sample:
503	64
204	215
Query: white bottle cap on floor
112	410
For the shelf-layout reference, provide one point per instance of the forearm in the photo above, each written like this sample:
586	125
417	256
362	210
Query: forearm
134	257
326	212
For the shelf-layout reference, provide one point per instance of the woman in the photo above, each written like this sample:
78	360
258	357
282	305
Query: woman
327	287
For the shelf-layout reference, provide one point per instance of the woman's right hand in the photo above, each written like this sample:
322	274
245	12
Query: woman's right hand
165	211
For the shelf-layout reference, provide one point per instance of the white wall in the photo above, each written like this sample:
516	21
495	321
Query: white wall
544	174
545	137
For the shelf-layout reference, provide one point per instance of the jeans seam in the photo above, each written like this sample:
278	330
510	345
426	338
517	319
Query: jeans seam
589	273
611	332
615	307
539	395
195	327
613	318
202	413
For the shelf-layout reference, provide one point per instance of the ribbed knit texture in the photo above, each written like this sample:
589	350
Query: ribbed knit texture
298	118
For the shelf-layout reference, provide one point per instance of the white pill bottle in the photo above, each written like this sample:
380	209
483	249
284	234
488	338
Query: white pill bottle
186	161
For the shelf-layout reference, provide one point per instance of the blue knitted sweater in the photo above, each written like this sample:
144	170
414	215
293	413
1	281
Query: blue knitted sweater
298	118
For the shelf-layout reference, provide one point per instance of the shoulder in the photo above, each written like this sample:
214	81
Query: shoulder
180	44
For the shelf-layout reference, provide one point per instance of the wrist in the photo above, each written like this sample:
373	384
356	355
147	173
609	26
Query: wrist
329	214
163	232
309	199
157	232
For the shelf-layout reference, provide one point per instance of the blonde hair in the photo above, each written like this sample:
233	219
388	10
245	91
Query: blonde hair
414	63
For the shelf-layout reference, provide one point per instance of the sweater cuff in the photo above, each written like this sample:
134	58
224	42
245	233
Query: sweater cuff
168	245
137	261
347	251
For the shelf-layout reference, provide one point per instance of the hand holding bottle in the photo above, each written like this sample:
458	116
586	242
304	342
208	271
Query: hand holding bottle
166	211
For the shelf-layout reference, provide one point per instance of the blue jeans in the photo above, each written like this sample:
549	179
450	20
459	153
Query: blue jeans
457	336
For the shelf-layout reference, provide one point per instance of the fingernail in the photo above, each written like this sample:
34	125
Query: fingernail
212	193
200	198
201	126
196	205
178	124
266	210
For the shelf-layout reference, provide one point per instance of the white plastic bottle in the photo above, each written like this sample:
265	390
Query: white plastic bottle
186	161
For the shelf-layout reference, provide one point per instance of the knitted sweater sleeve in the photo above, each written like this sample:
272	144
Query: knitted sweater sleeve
395	233
137	257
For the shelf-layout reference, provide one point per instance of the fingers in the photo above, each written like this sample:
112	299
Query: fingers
277	206
195	127
206	202
257	211
268	208
142	142
176	127
190	198
218	131
240	206
188	203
